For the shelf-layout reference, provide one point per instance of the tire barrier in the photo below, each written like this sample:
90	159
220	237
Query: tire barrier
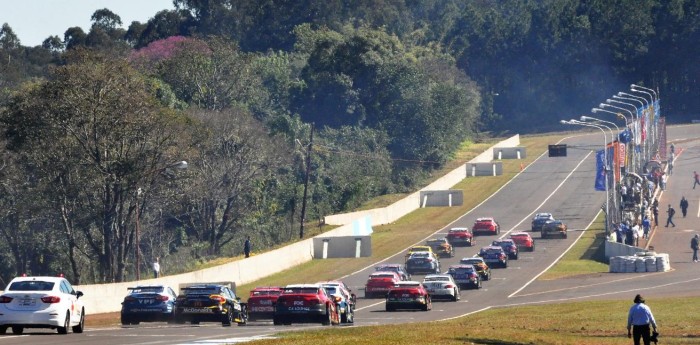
640	263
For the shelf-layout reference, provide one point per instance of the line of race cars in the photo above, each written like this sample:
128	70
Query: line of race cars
51	302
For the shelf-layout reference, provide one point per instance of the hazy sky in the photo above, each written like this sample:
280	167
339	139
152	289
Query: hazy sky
35	20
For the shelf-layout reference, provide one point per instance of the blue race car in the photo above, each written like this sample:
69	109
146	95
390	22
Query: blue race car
146	303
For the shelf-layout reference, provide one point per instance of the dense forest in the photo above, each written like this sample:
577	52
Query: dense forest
273	100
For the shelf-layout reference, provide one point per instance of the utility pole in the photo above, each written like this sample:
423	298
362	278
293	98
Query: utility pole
306	182
138	244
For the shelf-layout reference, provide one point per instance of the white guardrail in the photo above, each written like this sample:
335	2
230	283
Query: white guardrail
105	298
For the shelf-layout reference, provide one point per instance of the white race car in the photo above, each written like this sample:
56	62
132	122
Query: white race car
441	286
41	302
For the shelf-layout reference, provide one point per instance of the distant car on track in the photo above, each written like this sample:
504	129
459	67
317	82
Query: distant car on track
379	283
460	237
465	276
346	301
539	219
145	303
262	301
400	269
494	256
480	265
554	228
441	247
408	295
486	226
306	303
41	302
423	263
523	240
417	249
508	246
441	286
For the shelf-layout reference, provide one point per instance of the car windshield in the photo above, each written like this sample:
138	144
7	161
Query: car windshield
470	261
382	276
301	290
146	289
461	270
31	285
437	279
331	290
492	250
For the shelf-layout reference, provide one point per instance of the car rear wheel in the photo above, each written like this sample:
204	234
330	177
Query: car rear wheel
125	320
3	329
456	296
277	321
326	319
228	318
81	325
17	330
194	322
66	323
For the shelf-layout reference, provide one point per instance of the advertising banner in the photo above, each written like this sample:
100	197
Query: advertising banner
600	170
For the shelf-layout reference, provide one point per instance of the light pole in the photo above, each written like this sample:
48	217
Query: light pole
636	88
181	165
632	155
605	166
618	169
637	137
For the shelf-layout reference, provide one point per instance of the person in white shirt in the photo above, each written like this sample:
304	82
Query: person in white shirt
156	268
638	321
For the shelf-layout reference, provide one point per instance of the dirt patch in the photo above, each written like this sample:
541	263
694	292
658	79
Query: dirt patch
102	320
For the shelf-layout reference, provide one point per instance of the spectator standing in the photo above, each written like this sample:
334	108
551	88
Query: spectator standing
673	149
655	210
636	233
156	268
246	247
671	212
639	319
618	233
663	181
684	206
646	225
697	178
694	245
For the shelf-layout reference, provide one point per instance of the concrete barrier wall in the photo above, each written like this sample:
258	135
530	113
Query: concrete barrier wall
342	247
441	198
484	169
393	212
509	153
620	249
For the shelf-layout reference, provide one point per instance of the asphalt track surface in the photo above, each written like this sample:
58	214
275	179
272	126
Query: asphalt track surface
561	185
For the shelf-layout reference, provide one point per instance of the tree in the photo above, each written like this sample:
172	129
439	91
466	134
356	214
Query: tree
8	38
95	133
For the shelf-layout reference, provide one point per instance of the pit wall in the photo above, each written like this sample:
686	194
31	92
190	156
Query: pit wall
393	212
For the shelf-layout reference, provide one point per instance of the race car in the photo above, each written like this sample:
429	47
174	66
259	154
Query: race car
379	283
262	301
441	286
465	276
441	247
209	303
306	303
408	295
417	249
508	246
486	226
460	237
494	256
539	219
41	302
480	265
523	240
554	228
148	303
345	299
423	263
400	269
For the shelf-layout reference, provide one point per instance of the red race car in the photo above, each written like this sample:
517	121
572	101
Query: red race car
486	225
262	301
460	237
306	303
408	295
524	241
379	283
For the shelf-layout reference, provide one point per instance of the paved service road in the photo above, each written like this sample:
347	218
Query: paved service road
562	186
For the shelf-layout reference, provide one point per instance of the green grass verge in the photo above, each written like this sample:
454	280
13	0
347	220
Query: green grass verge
580	323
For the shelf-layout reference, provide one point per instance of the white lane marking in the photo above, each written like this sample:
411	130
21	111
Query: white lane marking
230	340
460	217
371	305
467	314
640	276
